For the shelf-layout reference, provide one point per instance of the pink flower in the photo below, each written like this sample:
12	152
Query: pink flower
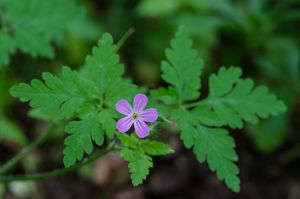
136	115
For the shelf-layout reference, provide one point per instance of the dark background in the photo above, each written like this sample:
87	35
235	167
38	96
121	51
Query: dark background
262	37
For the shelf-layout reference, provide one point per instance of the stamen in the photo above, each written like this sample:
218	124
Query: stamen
135	116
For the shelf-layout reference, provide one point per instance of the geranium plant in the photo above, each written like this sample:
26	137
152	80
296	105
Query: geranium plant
95	102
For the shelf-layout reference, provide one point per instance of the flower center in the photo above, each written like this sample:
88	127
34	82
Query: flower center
135	116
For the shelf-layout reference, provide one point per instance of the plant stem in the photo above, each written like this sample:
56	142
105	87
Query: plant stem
124	38
40	139
57	172
194	104
172	123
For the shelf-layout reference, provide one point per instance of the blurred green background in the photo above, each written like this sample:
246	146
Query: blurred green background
261	36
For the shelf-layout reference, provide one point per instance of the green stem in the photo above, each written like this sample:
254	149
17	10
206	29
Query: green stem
124	38
194	104
172	123
57	172
41	139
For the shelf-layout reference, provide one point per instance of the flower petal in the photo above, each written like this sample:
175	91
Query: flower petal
124	107
149	115
124	124
140	101
141	129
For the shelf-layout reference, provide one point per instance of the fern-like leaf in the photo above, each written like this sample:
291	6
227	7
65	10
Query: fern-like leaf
182	68
80	141
235	100
55	96
139	165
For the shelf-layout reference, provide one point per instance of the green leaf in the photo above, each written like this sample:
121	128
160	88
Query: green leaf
80	141
185	122
138	164
223	82
182	68
108	123
146	146
126	140
103	69
152	147
59	97
11	132
136	151
161	97
167	96
231	101
82	27
157	8
206	115
215	146
7	47
85	94
36	114
123	88
235	100
33	25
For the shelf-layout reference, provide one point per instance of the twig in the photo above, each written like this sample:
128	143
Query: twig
57	172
